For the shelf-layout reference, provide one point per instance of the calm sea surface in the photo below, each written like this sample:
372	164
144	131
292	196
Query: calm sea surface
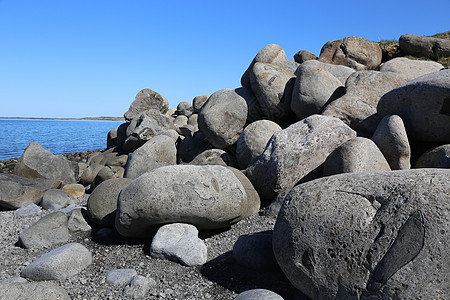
57	136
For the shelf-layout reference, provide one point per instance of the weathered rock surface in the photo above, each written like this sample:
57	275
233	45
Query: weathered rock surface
270	54
358	107
138	287
198	102
88	175
28	210
313	88
410	68
146	99
74	189
78	221
205	196
294	152
48	231
354	52
36	162
223	117
253	141
157	152
102	203
185	108
59	263
214	157
424	45
367	235
272	86
424	106
355	155
32	291
437	157
16	191
392	140
339	71
180	243
144	127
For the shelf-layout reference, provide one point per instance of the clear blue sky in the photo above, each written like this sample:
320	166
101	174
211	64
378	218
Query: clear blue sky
67	58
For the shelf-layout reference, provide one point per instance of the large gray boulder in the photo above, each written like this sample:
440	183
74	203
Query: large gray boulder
59	264
48	231
180	243
102	203
157	152
253	141
205	196
355	155
36	162
378	235
424	106
358	107
270	54
424	46
436	157
144	127
272	86
223	117
392	140
32	291
16	191
354	52
146	99
410	68
313	88
294	152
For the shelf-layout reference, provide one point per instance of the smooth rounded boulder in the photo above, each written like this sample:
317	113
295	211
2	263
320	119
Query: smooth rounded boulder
424	106
36	162
253	141
313	88
380	235
102	203
207	197
424	45
436	157
393	142
223	117
410	68
355	155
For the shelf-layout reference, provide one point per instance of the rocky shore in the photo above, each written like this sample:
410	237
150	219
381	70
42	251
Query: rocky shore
319	178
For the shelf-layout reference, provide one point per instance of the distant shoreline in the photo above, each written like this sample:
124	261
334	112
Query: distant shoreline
84	118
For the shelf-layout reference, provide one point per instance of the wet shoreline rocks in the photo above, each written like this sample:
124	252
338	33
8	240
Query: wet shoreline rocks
323	177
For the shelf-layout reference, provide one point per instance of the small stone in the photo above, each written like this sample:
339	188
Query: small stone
27	210
77	221
55	199
74	189
138	287
120	277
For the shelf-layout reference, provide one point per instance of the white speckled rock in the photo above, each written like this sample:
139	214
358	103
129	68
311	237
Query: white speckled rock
180	243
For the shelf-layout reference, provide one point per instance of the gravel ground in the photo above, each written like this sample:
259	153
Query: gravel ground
219	278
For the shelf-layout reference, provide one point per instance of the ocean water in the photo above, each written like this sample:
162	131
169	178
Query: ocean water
57	136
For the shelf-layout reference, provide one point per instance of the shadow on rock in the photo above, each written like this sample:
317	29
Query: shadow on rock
224	271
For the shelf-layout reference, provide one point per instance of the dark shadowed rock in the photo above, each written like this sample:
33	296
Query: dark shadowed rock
304	55
437	157
16	191
424	106
198	102
377	235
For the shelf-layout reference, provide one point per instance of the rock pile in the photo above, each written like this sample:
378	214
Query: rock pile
315	138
